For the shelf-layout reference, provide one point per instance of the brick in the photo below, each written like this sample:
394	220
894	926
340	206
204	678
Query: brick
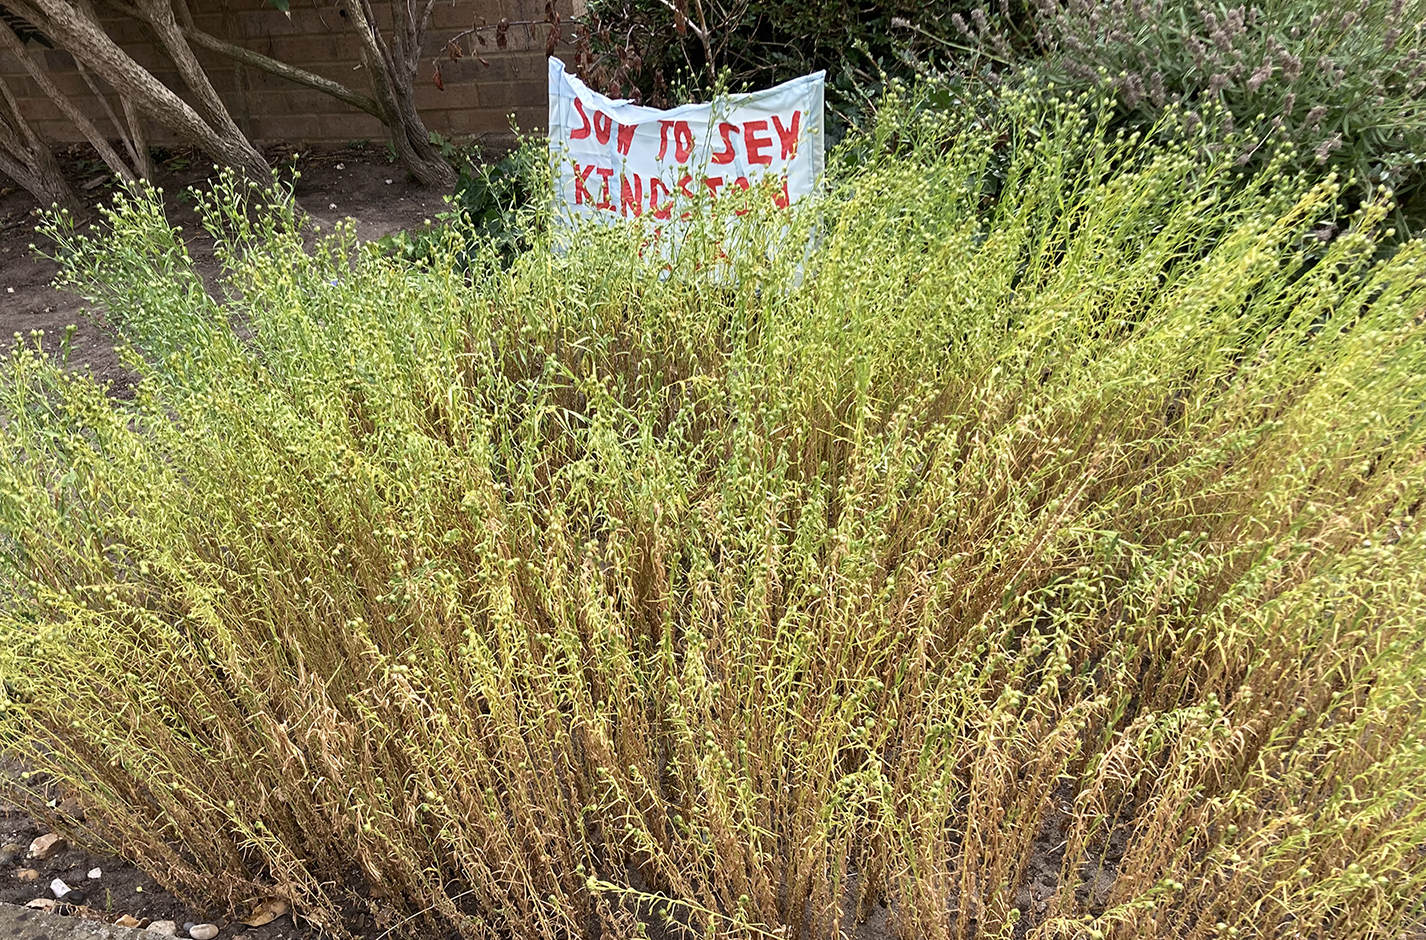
457	96
501	96
342	128
485	123
286	127
477	100
448	15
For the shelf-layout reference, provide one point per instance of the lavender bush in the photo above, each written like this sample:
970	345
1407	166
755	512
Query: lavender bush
1340	84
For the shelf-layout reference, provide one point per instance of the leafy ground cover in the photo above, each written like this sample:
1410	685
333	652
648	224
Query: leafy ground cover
1061	500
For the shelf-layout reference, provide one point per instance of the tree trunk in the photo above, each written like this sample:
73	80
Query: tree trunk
8	40
28	160
392	81
83	38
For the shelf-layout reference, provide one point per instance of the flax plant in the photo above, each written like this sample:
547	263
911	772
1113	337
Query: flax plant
1037	559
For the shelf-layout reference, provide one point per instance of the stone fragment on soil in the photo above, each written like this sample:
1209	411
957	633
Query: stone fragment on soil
95	874
46	845
164	928
203	931
27	874
10	853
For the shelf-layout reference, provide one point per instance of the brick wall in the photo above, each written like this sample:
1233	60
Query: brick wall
478	99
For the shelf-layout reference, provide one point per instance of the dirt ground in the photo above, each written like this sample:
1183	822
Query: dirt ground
333	185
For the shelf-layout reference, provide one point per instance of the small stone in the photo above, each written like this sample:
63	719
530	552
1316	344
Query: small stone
27	874
59	888
10	854
128	920
95	874
164	928
203	931
46	845
75	897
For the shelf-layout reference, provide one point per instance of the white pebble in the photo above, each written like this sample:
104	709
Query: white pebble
164	928
95	874
59	888
203	931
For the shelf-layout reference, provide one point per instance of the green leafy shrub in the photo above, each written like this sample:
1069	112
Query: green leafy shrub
636	47
1343	84
1073	519
496	207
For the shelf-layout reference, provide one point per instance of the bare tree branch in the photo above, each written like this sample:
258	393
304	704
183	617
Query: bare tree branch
281	69
83	37
12	43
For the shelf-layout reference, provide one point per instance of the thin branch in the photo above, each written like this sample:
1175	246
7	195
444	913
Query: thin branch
700	33
19	173
12	43
281	69
113	116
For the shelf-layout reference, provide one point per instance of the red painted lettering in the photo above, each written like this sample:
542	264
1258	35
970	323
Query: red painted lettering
602	127
664	128
626	137
583	132
655	185
713	182
743	184
581	179
606	200
755	144
788	135
782	200
682	142
726	154
684	183
631	198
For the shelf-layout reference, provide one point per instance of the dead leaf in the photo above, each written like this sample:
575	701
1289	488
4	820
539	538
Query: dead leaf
266	912
500	31
440	85
453	50
128	920
42	904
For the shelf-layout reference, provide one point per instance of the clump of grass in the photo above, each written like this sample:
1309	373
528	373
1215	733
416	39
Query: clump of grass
1070	519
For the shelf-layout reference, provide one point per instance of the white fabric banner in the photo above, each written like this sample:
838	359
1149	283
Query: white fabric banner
616	160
